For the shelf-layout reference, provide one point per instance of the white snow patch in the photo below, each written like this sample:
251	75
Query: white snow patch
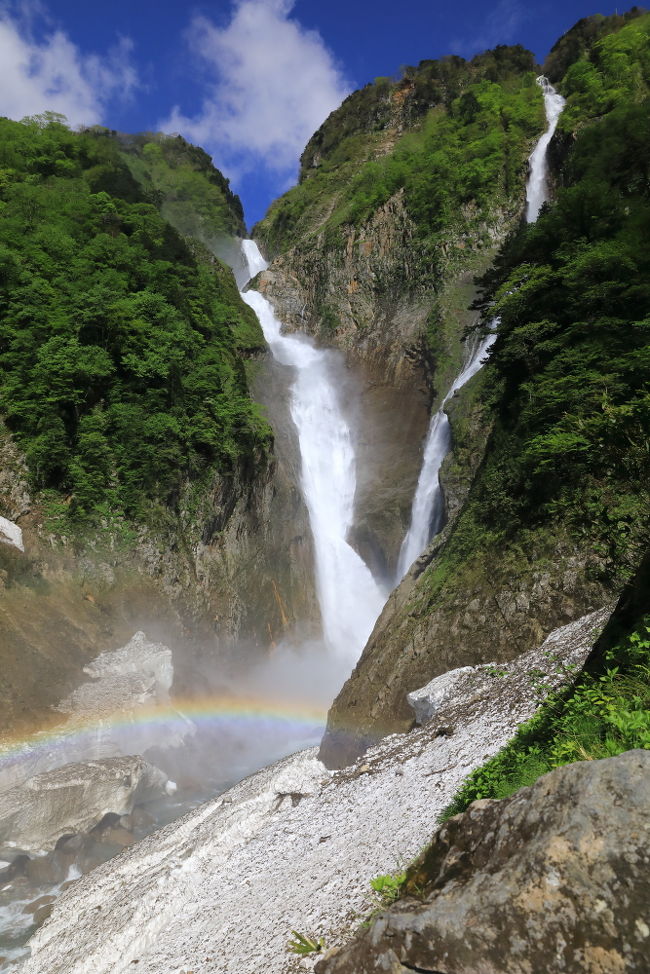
11	534
292	847
430	698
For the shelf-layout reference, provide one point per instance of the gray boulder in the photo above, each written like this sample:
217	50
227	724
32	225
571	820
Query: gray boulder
37	813
554	879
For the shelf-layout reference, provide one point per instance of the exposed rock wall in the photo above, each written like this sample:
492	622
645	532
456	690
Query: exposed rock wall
371	294
496	606
355	293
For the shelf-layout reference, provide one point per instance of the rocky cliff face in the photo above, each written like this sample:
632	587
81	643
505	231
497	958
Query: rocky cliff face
362	270
495	606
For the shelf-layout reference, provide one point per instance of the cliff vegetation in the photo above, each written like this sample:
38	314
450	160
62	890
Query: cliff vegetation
122	344
451	136
558	516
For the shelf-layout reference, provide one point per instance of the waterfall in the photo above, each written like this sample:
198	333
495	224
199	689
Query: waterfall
537	187
349	597
427	512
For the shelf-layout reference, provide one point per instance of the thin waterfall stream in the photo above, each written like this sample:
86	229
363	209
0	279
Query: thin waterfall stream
428	511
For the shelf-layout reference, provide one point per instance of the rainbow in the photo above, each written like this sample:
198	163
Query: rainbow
249	716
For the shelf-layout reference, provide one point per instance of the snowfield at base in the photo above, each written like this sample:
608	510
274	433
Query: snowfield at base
293	847
11	534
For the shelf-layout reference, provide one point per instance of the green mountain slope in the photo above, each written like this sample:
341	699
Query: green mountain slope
194	196
121	342
452	135
558	516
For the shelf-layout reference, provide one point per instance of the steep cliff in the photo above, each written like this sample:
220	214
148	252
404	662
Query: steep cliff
404	195
557	516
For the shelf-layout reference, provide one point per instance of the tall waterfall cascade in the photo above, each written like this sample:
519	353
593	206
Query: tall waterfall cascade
350	599
537	187
427	512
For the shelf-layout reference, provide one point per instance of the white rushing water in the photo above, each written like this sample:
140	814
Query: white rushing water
537	187
350	599
427	512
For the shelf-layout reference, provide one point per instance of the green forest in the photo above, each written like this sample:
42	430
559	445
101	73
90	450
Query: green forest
569	372
122	344
464	155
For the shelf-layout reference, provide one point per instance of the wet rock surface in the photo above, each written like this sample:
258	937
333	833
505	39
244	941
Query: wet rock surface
496	612
555	879
370	294
74	798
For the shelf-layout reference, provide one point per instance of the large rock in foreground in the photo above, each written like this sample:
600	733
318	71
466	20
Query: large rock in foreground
554	879
74	798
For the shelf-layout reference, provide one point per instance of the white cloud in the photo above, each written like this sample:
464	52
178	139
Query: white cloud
271	83
52	74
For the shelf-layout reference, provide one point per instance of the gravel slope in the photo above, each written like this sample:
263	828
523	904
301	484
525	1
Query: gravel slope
294	846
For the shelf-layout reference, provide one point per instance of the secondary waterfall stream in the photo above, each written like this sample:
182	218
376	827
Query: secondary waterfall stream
350	599
537	187
427	513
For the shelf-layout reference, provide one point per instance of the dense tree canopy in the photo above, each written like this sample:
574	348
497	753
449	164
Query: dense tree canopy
119	343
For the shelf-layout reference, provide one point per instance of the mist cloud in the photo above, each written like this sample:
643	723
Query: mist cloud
270	84
52	74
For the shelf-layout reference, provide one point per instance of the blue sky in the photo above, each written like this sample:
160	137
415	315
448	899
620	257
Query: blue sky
248	80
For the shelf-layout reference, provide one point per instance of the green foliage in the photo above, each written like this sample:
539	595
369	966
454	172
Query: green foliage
388	887
195	197
302	945
611	71
605	713
118	342
578	42
570	370
463	156
464	151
